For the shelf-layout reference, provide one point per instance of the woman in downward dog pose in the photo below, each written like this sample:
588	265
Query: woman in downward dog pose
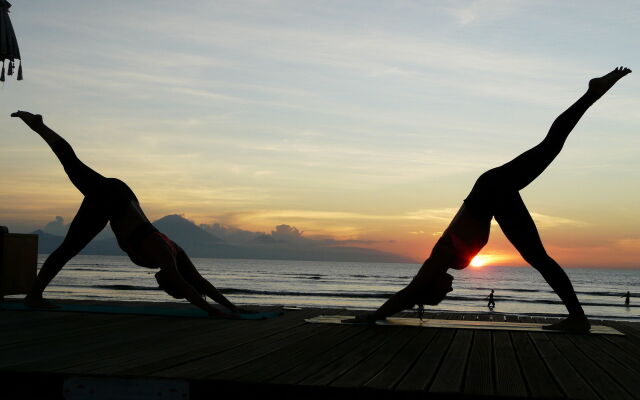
495	195
111	200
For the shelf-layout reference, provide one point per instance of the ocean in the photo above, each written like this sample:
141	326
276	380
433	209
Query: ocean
352	285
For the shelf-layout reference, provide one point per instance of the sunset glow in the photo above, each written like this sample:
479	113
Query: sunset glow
478	261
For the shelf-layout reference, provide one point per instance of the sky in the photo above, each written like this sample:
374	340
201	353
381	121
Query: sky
359	120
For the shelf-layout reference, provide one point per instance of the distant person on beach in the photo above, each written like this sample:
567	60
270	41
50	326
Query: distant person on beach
491	304
496	195
627	298
111	200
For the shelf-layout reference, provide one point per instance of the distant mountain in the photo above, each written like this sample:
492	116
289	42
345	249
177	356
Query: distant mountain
265	239
199	243
47	242
184	230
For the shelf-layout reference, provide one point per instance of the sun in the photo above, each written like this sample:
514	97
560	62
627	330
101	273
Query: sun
478	261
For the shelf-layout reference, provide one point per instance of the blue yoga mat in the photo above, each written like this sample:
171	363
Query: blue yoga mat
150	310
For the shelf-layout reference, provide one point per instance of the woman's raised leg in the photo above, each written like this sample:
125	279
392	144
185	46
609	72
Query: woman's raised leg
522	170
84	178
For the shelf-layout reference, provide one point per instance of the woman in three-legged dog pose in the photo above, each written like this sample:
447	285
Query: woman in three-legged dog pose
495	195
111	200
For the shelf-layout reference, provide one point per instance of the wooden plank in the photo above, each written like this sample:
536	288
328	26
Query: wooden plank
293	357
509	381
282	357
11	334
451	373
592	372
146	341
208	365
609	358
205	339
572	384
336	369
626	350
358	336
373	364
537	377
425	368
479	375
40	347
633	335
10	318
118	338
395	370
45	356
174	356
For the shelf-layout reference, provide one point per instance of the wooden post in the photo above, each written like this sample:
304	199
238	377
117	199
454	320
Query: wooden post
18	262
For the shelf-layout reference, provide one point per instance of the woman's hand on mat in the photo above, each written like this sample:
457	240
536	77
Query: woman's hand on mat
570	324
242	310
39	303
32	120
217	314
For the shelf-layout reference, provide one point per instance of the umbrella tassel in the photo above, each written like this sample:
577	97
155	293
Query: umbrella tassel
20	71
2	74
10	69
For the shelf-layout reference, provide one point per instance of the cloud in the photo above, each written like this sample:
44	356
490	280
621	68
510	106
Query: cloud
283	234
628	244
56	227
469	12
549	221
286	233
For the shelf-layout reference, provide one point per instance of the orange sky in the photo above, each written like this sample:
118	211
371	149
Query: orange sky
370	124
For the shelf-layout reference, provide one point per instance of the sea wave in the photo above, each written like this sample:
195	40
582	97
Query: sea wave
365	295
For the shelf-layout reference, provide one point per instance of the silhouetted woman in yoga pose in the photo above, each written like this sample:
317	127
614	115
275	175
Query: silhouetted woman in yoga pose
495	195
111	200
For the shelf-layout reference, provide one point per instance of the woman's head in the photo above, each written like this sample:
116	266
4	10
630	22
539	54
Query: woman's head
167	285
434	292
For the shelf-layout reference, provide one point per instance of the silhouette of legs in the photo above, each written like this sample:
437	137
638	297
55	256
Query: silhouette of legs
518	226
88	222
522	170
495	193
502	181
90	219
85	179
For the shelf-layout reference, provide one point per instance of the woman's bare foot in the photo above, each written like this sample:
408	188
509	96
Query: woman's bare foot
599	86
28	118
570	324
39	302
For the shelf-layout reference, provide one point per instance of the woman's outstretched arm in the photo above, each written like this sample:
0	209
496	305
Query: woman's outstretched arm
188	269
158	253
430	286
171	273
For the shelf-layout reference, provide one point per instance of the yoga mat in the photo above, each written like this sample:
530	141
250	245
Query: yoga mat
138	310
458	324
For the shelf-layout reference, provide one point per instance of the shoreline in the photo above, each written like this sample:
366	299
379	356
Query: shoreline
497	315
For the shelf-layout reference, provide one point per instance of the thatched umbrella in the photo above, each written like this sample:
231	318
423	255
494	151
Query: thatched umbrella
9	50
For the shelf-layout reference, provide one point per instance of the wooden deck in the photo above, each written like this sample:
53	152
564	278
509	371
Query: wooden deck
285	355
